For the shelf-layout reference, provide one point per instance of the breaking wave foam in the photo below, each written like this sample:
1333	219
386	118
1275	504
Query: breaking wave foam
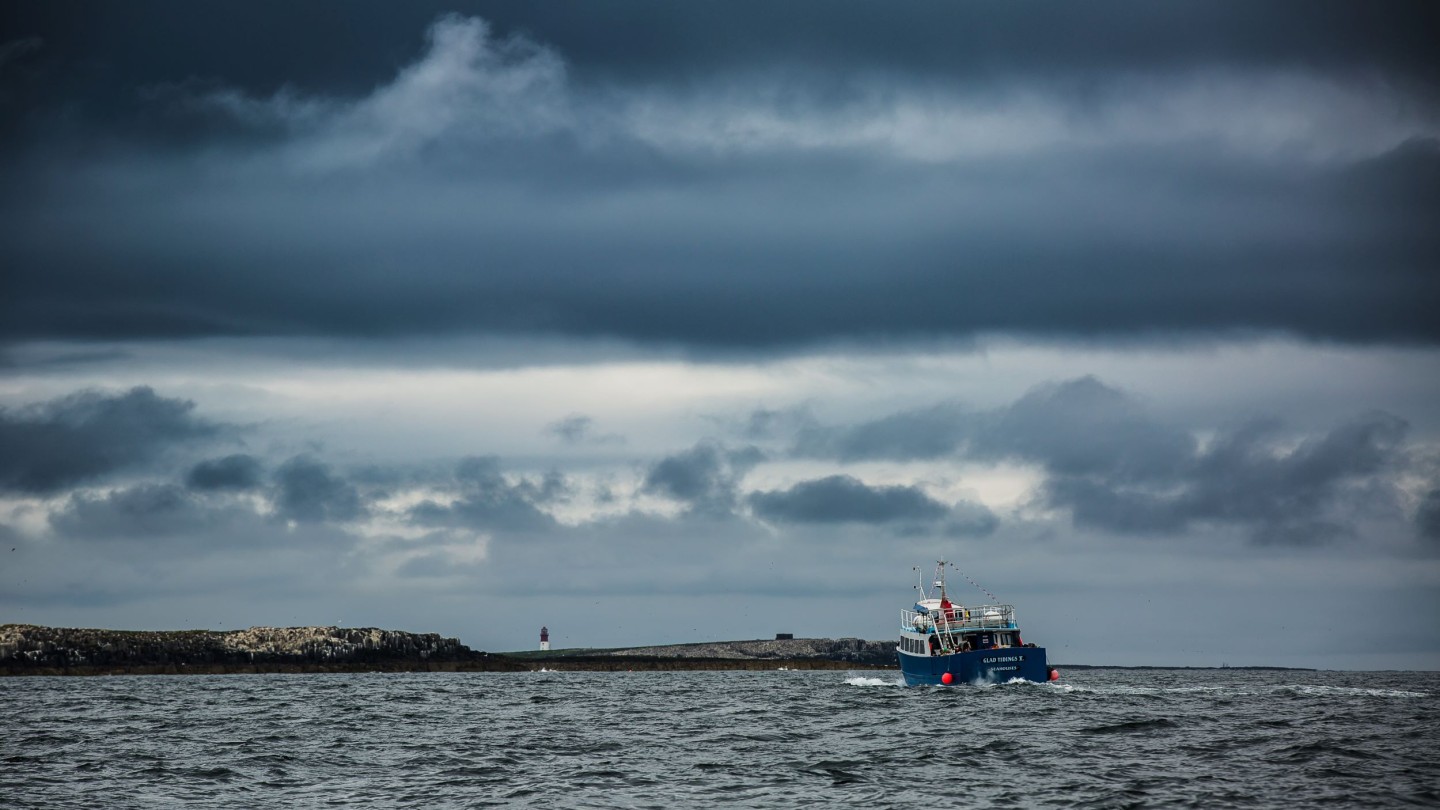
864	681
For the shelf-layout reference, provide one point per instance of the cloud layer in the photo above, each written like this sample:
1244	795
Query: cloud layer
498	183
1096	453
48	447
1107	479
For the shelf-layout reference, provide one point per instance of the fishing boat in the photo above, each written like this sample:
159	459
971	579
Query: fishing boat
944	643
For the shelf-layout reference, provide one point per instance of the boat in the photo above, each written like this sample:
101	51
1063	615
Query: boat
944	643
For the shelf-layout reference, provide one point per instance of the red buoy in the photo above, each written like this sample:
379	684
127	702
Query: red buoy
947	678
1054	674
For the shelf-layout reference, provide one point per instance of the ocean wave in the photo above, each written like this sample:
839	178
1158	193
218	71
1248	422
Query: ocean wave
1352	691
722	739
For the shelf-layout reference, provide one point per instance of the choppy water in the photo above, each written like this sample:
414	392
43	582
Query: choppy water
1104	738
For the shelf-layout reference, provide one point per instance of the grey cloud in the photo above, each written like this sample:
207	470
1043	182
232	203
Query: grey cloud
689	476
571	429
467	85
920	434
307	491
1070	426
578	429
82	437
844	499
706	477
969	519
1083	426
233	472
481	476
488	500
1299	495
1311	494
1112	466
153	513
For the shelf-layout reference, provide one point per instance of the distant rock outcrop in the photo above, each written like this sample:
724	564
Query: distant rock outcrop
29	647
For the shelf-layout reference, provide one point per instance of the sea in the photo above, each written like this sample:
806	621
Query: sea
1096	738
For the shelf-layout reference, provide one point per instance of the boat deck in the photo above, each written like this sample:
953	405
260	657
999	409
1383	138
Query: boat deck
959	618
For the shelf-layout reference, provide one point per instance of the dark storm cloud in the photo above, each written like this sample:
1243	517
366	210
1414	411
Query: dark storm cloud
1045	251
47	447
488	500
844	499
1112	466
233	472
1309	495
706	477
751	177
151	42
1115	468
152	512
307	491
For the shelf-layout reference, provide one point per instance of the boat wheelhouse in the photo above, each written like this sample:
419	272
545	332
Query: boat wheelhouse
942	642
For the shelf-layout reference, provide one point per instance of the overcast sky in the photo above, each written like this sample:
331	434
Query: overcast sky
663	322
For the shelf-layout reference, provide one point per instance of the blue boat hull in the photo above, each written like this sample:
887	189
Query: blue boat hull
976	667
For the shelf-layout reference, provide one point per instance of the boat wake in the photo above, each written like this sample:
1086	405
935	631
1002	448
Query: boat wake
867	681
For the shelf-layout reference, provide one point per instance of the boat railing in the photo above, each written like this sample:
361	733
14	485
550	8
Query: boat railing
958	618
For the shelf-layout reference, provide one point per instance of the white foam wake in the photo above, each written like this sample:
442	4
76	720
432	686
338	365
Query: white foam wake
864	681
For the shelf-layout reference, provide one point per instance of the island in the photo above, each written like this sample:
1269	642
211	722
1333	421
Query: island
27	649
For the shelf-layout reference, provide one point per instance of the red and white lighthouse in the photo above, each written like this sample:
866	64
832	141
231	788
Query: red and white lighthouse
544	638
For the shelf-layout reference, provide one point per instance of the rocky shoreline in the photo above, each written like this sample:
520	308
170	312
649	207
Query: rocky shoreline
35	650
32	649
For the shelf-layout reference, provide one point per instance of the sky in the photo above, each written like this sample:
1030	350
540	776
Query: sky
664	322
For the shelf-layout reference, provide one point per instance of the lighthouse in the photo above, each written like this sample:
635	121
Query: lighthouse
544	638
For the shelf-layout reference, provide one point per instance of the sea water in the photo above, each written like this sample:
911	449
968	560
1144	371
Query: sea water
1098	738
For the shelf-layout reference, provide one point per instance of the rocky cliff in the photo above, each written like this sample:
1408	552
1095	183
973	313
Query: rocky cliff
29	647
